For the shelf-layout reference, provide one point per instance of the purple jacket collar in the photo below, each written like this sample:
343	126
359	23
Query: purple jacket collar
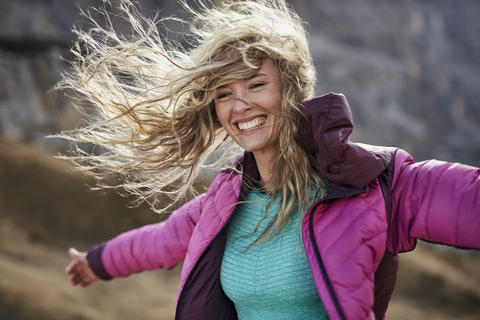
324	127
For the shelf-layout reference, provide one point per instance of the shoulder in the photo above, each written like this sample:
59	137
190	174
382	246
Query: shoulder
227	183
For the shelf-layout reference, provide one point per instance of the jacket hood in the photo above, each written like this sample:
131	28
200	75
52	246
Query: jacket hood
324	125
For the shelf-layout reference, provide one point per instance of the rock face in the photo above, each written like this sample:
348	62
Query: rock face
33	35
410	69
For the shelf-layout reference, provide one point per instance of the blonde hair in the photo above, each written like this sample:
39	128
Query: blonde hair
155	119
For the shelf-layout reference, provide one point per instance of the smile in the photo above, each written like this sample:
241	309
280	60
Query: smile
251	125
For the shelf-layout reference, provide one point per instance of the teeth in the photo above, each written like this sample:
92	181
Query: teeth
251	125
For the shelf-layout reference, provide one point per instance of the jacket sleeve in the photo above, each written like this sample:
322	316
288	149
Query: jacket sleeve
434	201
160	245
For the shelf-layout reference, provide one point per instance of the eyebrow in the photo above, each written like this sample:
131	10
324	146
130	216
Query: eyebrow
255	75
246	79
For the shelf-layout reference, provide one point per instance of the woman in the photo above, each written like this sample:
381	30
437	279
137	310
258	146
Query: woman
304	224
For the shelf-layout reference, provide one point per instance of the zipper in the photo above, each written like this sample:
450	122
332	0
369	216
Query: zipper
243	190
321	265
182	294
333	295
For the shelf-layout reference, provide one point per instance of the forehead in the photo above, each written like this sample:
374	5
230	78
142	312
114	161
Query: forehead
245	73
269	68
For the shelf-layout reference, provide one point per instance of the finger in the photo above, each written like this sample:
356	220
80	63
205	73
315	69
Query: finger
85	279
76	273
85	282
81	277
73	266
75	254
74	279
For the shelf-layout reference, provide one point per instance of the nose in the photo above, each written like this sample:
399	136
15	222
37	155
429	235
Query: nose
240	105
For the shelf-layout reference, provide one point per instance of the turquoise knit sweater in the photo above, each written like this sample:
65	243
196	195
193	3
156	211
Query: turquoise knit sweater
271	280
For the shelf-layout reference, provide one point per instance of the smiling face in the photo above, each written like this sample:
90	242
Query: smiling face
248	110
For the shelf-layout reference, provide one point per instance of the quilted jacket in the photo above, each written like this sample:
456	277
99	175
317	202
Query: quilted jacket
346	235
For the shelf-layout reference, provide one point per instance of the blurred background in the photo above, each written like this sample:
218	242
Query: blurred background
409	68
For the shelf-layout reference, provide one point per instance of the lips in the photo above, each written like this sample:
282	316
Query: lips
251	125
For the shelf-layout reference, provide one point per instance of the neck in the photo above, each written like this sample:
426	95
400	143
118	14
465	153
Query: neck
265	167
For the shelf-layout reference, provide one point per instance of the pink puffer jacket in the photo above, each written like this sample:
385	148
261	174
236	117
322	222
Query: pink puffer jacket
345	234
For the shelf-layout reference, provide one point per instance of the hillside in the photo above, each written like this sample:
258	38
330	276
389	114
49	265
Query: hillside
44	209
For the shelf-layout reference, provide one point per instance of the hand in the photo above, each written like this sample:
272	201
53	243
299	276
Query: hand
78	270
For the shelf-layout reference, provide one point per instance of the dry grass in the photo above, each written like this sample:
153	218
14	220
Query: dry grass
44	209
33	286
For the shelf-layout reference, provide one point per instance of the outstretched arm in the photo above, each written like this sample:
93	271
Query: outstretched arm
78	270
159	245
435	201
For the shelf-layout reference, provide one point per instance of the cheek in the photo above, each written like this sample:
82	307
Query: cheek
222	115
273	101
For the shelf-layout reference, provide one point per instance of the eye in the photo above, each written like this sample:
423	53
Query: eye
257	85
222	95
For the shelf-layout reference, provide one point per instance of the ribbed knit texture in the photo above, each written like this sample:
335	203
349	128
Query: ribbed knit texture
271	280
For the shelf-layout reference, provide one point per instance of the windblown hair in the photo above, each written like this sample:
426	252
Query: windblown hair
155	120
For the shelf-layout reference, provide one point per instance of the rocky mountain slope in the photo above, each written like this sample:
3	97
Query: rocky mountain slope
410	68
